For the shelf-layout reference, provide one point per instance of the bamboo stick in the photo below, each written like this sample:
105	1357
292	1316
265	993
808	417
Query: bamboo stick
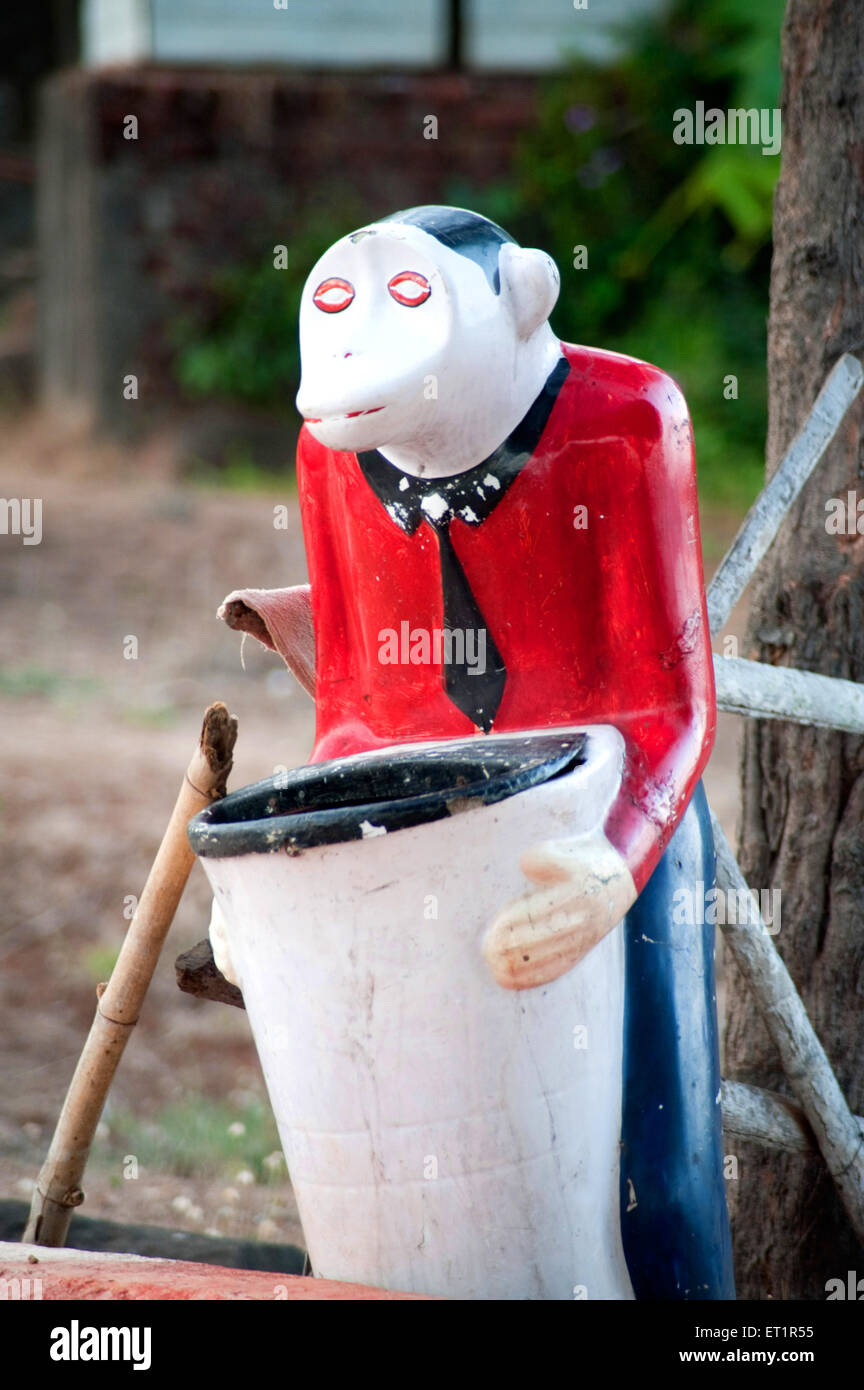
837	1131
58	1188
759	691
763	520
769	1118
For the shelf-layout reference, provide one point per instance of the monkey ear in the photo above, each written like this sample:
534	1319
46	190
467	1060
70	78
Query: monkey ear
530	282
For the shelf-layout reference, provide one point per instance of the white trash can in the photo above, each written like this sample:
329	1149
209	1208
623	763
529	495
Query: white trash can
443	1135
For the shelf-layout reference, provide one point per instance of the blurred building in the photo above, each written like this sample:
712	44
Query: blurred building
197	134
508	35
34	41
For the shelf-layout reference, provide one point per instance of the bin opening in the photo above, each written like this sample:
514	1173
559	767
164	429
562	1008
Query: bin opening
376	793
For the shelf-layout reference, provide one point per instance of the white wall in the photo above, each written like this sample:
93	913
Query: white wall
536	34
115	31
524	35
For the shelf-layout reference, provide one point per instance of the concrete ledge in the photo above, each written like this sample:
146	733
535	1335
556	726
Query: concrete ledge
32	1272
159	1242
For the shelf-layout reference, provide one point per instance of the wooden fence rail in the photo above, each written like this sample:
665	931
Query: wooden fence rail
822	1119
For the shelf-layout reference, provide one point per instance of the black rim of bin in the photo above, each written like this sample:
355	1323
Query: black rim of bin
369	794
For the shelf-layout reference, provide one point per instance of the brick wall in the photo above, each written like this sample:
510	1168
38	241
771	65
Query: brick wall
223	168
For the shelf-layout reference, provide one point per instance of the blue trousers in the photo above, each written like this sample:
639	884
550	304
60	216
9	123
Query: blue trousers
673	1205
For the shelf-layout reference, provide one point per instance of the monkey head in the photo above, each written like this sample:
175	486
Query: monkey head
425	336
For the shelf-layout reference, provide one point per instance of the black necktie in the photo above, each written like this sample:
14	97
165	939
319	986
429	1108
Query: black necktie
474	671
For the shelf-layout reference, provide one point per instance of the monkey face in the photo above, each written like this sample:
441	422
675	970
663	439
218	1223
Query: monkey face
389	321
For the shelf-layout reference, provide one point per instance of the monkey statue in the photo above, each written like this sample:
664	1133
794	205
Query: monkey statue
461	469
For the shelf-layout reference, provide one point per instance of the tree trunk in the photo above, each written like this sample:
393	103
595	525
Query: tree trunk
802	826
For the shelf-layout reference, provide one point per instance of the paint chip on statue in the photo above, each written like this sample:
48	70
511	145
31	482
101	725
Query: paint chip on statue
369	831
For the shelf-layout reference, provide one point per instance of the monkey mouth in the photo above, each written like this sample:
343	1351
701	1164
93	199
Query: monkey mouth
351	415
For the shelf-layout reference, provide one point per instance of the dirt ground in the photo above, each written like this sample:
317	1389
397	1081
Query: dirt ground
93	748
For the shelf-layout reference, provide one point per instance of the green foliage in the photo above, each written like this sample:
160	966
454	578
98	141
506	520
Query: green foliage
156	716
25	682
99	962
239	472
195	1138
238	340
678	236
242	342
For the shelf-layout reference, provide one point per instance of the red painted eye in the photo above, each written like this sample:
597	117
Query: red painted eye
410	288
333	295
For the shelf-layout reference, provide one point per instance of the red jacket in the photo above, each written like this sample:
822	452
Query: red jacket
599	615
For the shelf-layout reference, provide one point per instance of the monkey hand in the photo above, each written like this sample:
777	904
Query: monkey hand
583	888
280	619
218	934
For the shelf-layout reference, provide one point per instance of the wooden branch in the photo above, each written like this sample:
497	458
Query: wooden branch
765	1117
762	522
837	1131
769	1118
198	974
780	692
58	1188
